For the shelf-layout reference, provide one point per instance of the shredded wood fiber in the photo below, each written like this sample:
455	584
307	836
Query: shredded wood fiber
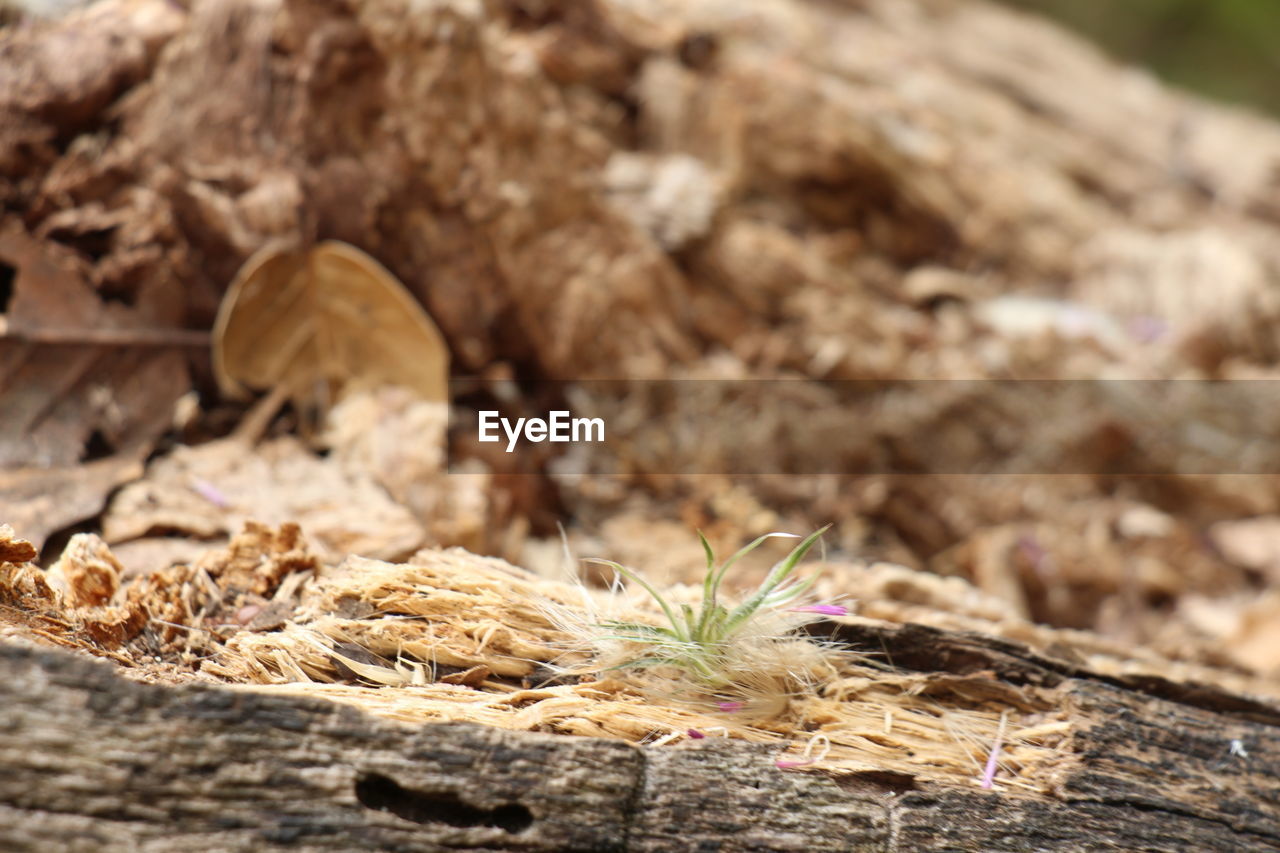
397	630
451	636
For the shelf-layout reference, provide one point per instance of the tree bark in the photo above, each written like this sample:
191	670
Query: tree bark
93	761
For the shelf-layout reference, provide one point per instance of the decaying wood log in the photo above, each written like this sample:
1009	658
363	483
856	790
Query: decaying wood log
97	762
835	190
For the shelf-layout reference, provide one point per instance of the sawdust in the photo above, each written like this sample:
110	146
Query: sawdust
444	611
452	636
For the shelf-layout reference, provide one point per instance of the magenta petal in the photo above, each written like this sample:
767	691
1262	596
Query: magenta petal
824	609
989	772
788	763
731	706
993	760
695	734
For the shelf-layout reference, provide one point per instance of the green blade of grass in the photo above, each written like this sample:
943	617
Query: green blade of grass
711	585
711	555
639	629
662	602
742	552
639	663
776	577
791	592
708	593
691	622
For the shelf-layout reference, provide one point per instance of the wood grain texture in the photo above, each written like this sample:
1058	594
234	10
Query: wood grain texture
92	761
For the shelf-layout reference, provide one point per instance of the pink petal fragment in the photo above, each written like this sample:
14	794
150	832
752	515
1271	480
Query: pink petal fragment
246	614
731	706
210	492
989	772
824	609
695	734
788	763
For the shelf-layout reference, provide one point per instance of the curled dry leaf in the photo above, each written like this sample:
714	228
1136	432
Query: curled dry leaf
292	319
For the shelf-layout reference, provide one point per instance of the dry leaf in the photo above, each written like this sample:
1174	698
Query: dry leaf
77	375
210	491
333	314
41	501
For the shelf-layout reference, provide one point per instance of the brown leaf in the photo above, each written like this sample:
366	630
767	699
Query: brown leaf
1256	639
40	501
212	490
74	370
21	584
71	365
333	314
1250	542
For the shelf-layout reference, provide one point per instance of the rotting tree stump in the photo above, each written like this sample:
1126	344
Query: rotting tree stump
94	761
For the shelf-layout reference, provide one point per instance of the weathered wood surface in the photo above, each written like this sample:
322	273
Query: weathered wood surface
92	761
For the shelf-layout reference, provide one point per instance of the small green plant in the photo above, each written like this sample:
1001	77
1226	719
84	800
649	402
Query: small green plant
708	641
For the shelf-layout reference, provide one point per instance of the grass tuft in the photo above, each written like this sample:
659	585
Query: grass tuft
736	656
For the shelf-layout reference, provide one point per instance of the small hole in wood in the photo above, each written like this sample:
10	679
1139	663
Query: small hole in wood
96	447
379	792
7	276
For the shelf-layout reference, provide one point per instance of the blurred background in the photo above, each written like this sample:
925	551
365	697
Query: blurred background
886	191
1226	49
